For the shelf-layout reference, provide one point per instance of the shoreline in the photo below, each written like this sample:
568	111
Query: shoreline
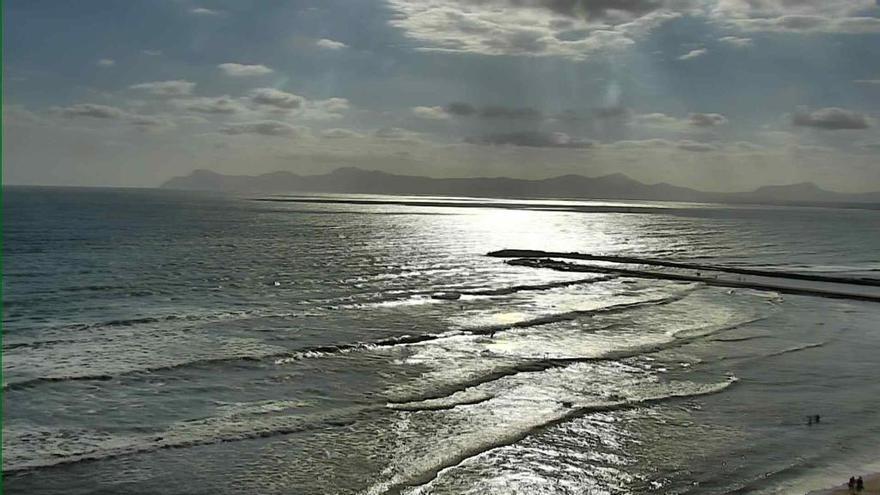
872	486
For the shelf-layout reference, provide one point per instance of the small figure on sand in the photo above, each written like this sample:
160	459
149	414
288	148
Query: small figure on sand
860	485
851	484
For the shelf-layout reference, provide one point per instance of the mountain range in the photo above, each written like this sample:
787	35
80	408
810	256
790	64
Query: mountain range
614	186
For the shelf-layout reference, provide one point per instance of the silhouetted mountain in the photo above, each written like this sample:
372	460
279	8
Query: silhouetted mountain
614	186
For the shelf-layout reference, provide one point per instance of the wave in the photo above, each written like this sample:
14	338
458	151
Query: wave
741	339
454	453
796	349
33	450
503	291
483	330
286	356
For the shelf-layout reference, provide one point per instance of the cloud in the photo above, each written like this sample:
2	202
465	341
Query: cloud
460	109
533	139
330	44
430	113
331	105
152	53
736	41
92	110
106	112
166	88
706	119
574	29
499	112
699	52
204	12
612	112
105	62
264	127
656	120
244	70
150	122
395	133
340	134
276	98
215	105
831	16
873	82
688	145
831	119
684	144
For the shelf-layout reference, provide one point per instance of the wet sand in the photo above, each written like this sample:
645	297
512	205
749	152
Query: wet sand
872	487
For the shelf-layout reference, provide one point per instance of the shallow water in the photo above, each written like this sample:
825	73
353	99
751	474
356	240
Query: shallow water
184	343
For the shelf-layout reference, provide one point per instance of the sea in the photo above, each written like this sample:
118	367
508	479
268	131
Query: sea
178	342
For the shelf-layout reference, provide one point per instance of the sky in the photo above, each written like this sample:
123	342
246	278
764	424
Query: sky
720	95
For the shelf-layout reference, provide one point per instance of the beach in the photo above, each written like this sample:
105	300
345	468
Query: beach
872	487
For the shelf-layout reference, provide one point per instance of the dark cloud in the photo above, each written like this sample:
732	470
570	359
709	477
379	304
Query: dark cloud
265	128
533	139
460	109
92	110
706	119
616	111
832	119
594	9
496	112
223	104
276	98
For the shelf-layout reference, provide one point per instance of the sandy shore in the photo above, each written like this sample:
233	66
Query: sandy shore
872	487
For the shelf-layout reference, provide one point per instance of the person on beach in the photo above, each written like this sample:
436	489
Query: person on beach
860	485
852	484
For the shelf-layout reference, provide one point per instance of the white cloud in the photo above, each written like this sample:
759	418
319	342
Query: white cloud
832	119
166	88
736	41
698	52
656	120
105	62
276	98
330	44
431	113
264	127
204	12
152	53
874	82
244	70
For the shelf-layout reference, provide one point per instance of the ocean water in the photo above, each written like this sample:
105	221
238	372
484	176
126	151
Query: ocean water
187	343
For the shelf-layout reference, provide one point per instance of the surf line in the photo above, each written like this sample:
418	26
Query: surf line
528	253
540	262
